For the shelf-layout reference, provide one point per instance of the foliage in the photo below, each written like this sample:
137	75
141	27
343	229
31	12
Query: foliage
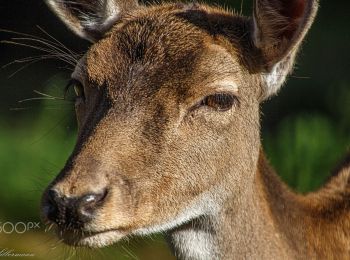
304	149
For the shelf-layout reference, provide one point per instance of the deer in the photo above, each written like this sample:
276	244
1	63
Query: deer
167	102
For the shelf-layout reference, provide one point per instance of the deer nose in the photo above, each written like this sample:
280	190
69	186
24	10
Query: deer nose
72	212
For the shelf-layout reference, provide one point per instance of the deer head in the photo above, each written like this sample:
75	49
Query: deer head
167	105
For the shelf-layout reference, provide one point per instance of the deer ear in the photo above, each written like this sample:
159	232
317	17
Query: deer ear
90	19
279	28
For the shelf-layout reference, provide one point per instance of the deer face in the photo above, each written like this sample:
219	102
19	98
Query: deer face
168	112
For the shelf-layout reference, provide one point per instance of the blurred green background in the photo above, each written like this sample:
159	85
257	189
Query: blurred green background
305	129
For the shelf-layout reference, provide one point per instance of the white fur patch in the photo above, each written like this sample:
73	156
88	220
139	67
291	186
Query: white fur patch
191	242
275	79
194	244
203	205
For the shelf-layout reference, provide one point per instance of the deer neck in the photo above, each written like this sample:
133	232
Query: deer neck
267	220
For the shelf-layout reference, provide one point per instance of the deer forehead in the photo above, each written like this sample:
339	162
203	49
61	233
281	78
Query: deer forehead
144	57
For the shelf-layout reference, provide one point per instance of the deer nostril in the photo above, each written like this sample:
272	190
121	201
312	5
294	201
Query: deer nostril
90	202
90	198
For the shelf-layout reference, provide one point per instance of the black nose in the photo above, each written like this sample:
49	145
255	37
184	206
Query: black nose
72	212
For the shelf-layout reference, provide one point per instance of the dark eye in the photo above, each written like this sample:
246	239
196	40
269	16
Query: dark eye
220	101
77	87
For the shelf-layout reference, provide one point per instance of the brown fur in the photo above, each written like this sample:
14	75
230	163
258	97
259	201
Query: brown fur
172	164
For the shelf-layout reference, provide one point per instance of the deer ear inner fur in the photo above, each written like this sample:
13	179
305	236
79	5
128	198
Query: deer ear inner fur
91	19
279	29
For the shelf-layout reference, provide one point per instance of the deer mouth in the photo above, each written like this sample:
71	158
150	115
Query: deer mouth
80	238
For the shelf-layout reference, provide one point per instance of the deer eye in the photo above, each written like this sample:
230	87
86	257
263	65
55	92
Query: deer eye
220	101
78	88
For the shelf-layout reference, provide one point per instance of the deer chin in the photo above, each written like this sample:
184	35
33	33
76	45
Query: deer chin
98	239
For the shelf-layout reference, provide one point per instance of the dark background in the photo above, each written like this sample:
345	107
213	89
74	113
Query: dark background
305	129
